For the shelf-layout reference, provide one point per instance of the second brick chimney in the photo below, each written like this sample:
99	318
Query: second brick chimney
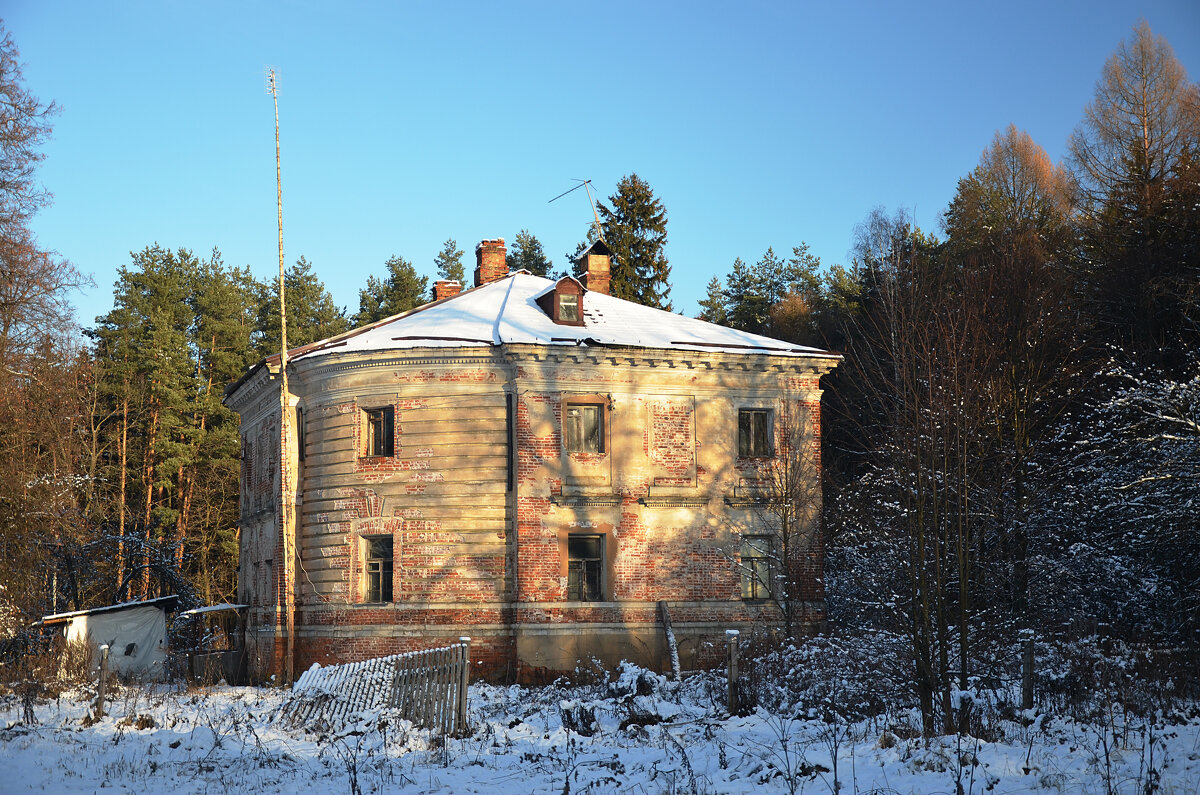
489	261
596	260
446	288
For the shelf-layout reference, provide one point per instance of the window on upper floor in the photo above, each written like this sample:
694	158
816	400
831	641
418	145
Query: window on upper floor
756	567
564	302
377	567
585	568
754	433
380	433
583	427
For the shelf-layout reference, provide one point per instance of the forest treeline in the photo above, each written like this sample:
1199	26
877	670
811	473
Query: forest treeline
1012	444
1012	441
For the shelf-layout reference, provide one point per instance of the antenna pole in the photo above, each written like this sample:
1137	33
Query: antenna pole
599	231
586	185
284	503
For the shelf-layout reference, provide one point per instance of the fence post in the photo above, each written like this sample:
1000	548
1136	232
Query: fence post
1027	673
731	640
463	682
102	681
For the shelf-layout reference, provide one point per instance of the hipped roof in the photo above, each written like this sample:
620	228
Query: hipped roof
506	312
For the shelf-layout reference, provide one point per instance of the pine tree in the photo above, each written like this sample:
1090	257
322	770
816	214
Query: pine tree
713	308
748	294
527	254
449	262
311	312
635	228
224	305
148	331
752	293
401	291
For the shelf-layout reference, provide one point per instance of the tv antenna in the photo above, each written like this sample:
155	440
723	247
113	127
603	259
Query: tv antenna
586	185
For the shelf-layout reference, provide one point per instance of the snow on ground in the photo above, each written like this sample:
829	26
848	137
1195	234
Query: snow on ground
673	738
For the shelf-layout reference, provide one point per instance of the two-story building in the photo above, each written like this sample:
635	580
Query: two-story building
535	464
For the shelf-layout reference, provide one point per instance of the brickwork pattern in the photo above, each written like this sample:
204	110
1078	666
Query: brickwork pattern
474	558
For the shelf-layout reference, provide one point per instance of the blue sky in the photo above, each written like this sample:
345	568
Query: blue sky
403	124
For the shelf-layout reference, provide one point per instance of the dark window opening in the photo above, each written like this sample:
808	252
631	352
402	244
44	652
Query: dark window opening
381	435
585	568
584	428
756	567
754	433
379	569
568	308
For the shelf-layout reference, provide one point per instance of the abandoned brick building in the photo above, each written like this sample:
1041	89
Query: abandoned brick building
536	464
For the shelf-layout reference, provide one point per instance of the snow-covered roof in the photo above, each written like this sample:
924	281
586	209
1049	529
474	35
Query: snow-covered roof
224	607
506	312
162	603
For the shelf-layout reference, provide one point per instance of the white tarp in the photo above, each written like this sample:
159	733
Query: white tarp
136	638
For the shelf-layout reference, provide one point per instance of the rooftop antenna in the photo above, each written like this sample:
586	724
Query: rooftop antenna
284	502
586	185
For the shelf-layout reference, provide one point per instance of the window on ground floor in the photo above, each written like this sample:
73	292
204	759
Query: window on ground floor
756	567
377	566
585	568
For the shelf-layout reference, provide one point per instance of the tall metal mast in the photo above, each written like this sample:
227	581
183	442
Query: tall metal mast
285	508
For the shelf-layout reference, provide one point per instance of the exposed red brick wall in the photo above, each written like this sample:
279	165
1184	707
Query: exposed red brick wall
682	555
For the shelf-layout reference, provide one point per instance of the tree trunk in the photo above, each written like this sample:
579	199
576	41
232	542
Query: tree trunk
123	481
149	481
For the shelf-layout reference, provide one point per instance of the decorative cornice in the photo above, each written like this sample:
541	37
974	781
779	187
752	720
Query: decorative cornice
671	501
586	500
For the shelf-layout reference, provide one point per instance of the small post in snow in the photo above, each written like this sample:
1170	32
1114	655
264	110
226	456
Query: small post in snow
731	638
100	683
1027	672
463	683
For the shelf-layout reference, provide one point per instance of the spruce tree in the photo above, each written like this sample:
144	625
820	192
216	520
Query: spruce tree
401	291
635	228
449	262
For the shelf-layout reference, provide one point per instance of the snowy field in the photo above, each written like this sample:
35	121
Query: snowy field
673	738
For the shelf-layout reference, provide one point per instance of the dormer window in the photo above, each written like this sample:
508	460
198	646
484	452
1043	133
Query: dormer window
568	308
564	302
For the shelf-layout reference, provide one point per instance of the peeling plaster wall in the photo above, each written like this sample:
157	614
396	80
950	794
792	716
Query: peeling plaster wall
472	556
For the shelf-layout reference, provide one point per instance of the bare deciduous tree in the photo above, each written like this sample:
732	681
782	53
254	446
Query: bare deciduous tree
1144	118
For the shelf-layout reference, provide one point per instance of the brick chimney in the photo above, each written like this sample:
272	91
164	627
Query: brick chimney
489	261
597	264
446	288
